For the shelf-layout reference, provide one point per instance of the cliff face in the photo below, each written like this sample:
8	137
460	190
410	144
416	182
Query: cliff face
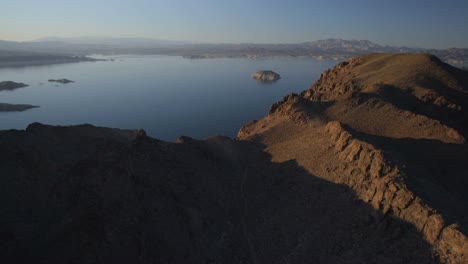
315	181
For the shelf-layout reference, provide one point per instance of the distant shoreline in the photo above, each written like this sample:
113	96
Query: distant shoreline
20	54
24	62
47	59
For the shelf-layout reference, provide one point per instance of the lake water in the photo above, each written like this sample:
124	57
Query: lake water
167	96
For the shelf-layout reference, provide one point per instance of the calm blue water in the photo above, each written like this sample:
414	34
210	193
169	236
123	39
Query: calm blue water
164	95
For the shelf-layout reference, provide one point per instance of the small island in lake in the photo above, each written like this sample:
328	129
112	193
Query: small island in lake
9	85
61	80
15	107
266	76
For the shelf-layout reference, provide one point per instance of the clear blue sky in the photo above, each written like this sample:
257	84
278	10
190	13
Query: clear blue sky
423	23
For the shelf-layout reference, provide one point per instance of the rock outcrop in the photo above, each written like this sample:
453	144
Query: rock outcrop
320	179
266	76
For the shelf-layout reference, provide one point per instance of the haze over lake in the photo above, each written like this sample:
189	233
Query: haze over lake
166	96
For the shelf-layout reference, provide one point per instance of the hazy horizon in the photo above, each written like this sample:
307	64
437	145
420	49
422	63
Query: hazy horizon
425	24
82	39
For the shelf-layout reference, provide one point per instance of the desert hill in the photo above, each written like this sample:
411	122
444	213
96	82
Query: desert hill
393	128
367	166
397	95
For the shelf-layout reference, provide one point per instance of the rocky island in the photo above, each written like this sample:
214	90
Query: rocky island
15	107
366	166
9	85
64	81
266	76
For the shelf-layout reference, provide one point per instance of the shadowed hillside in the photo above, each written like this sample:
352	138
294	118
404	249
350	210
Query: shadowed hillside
94	195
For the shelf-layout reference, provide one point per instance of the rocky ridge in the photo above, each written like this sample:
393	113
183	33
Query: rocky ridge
91	194
397	125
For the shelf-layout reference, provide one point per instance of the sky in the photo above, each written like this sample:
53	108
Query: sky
412	23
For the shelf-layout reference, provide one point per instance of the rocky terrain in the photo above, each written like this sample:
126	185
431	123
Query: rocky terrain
393	128
266	76
367	166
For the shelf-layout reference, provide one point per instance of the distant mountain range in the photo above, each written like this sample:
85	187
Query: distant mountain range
336	49
114	41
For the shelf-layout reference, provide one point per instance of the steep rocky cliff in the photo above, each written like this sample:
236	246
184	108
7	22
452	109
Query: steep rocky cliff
349	171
